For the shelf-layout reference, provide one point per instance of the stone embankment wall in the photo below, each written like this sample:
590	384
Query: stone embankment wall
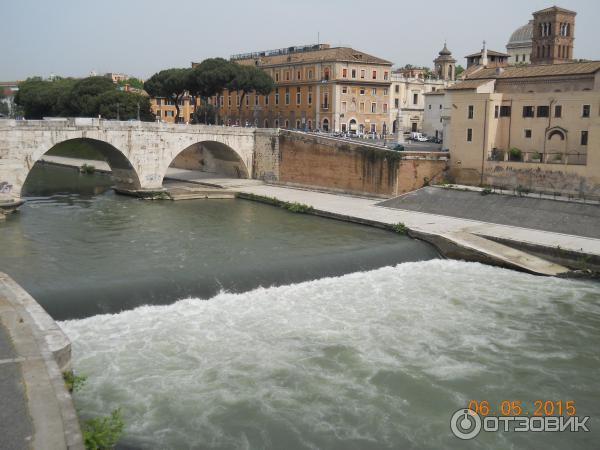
351	167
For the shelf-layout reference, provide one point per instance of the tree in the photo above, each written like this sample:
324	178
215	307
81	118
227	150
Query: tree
132	82
115	103
248	79
210	78
39	98
458	70
169	83
206	114
83	97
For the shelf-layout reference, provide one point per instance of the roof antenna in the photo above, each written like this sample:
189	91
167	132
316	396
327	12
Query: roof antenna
318	38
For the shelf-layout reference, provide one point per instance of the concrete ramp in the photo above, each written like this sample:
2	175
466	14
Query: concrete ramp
504	255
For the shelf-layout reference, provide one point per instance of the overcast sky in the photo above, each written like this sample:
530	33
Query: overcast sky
140	37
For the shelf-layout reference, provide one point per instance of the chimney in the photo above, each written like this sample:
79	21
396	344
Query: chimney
484	56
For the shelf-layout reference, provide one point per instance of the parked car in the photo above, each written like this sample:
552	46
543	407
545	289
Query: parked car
434	140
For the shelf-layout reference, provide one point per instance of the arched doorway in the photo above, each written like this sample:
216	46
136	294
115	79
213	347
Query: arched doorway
326	125
556	145
352	126
207	159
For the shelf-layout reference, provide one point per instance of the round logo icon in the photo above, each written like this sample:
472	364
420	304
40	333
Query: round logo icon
465	424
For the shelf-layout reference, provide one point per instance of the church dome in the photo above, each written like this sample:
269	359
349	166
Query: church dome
522	35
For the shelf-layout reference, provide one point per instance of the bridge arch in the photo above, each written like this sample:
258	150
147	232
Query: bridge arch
212	158
123	172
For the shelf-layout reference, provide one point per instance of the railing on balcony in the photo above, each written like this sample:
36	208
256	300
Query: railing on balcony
513	155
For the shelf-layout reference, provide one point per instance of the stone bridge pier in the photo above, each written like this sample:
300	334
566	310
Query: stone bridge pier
138	153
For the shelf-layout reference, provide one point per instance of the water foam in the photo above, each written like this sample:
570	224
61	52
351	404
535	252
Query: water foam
376	359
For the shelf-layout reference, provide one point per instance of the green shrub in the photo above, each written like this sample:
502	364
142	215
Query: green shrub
297	207
486	190
515	154
536	155
400	228
103	433
74	382
87	168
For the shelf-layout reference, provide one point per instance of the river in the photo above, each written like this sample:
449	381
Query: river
338	337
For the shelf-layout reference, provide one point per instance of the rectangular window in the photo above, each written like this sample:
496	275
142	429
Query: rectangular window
221	101
255	99
584	137
374	75
558	111
362	107
158	102
586	111
229	101
429	106
373	107
298	75
310	74
344	73
374	91
287	96
543	111
373	128
386	75
363	73
362	91
415	99
385	107
471	113
344	90
276	76
528	111
310	95
469	135
287	76
298	96
397	88
353	73
247	99
396	103
343	106
326	100
266	100
505	111
528	134
385	91
277	96
496	111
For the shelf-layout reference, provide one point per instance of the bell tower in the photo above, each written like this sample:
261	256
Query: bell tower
445	65
553	36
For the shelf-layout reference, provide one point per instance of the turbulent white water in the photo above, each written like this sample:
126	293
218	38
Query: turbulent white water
377	359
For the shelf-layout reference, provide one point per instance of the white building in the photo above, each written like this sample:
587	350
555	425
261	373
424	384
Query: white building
435	103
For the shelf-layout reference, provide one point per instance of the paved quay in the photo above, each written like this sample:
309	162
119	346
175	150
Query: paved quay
36	410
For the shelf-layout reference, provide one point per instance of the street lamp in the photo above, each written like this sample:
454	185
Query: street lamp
138	111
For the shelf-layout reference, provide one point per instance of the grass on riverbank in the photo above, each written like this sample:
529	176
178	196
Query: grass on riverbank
294	207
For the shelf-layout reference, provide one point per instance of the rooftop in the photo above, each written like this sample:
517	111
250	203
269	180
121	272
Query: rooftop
522	35
554	9
489	52
308	53
538	70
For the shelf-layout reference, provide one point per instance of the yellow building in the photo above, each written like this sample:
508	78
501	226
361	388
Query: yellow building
316	87
535	126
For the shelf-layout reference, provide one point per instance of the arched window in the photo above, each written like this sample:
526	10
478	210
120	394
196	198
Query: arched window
287	123
266	123
325	124
558	133
276	123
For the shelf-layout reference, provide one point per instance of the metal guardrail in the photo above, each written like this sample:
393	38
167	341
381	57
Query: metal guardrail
569	158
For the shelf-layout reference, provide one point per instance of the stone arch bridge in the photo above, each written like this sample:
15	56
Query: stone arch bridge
138	153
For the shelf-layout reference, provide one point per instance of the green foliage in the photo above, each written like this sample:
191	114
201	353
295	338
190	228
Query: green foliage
522	190
250	79
486	190
127	102
536	155
211	77
87	168
515	154
103	433
171	84
86	97
206	114
132	82
74	382
297	207
400	228
399	148
458	70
